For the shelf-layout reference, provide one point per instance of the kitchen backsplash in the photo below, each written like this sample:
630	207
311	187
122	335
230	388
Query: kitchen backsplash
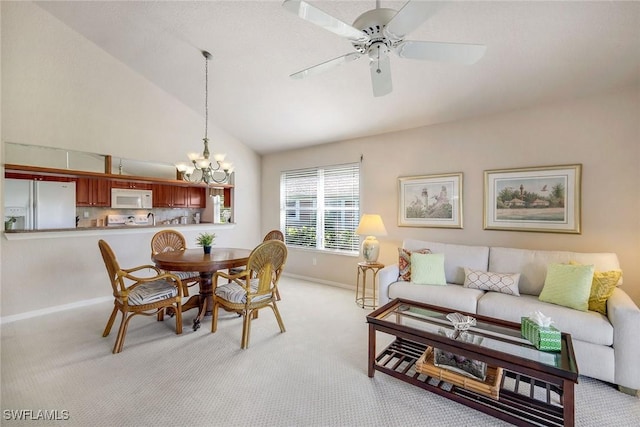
97	217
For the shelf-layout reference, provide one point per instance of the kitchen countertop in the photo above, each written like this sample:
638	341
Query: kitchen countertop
101	231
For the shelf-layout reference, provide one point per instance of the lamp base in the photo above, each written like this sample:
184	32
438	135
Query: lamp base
370	249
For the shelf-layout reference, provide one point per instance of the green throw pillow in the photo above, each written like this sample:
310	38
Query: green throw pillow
568	285
427	269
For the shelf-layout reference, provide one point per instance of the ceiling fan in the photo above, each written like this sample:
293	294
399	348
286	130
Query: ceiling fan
379	31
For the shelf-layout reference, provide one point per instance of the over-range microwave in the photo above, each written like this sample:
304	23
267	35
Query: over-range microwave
124	198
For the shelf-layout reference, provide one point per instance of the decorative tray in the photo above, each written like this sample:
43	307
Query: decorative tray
489	387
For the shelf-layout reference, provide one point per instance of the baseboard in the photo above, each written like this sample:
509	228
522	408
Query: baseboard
316	280
56	309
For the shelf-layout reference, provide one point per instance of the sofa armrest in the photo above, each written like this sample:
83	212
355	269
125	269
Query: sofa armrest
386	276
624	315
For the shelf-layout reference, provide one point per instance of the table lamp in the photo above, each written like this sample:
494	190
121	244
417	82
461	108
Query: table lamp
371	226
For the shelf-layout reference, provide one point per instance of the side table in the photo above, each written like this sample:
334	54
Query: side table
365	301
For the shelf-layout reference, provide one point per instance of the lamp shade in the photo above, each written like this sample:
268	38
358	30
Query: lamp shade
370	226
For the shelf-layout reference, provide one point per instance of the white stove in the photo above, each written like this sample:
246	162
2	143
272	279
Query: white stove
121	220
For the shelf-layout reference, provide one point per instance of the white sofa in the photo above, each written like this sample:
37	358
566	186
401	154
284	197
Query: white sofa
606	347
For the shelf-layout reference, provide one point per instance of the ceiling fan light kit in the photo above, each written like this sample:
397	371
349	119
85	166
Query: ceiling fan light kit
378	32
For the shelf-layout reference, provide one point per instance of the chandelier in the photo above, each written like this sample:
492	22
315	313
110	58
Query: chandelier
201	168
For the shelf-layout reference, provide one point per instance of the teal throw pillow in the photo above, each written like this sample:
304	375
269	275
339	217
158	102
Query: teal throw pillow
568	285
427	269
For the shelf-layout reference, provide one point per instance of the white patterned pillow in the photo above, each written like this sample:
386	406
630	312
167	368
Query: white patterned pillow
506	283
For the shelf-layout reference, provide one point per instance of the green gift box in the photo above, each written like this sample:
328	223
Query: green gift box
544	338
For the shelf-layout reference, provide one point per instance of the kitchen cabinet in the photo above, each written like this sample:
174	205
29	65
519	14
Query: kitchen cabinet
197	197
36	177
93	192
178	196
132	184
170	196
94	189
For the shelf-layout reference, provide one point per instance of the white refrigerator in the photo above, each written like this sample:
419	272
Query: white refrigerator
40	205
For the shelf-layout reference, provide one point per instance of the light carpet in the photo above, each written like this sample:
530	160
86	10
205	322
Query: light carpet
315	374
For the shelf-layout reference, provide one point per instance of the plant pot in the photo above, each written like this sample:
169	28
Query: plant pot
207	249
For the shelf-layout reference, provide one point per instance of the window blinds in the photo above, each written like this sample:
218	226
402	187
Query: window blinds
320	207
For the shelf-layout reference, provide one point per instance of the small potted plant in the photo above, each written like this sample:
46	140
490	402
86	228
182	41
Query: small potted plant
206	240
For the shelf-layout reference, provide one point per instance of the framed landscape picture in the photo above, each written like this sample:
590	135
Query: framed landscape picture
543	199
430	201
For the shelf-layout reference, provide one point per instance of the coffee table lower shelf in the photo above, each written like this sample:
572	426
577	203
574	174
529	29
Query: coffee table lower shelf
522	400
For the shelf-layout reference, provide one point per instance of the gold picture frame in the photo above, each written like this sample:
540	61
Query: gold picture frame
430	201
540	199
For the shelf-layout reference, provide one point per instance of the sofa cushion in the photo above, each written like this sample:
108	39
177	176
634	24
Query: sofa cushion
587	326
428	269
568	285
452	296
602	287
404	262
532	264
507	283
456	257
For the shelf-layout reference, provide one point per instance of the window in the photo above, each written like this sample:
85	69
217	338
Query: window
320	207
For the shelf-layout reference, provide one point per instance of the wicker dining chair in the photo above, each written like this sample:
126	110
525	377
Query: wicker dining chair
252	289
272	235
171	240
135	295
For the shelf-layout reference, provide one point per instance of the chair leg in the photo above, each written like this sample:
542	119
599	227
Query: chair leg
274	307
277	294
246	329
214	316
122	331
161	315
179	319
107	329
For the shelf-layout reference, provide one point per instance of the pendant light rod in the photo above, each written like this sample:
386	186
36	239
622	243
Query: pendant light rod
218	172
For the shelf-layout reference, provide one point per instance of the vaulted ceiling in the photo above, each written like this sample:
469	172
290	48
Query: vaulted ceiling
537	53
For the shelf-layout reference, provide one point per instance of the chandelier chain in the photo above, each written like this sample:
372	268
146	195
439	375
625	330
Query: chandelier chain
209	172
206	96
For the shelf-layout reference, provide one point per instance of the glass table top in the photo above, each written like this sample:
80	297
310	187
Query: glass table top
487	334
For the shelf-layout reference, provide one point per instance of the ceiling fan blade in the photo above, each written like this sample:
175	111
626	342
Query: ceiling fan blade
461	53
381	75
325	66
410	17
316	16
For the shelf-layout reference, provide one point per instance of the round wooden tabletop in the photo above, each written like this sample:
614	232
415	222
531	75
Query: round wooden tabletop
197	260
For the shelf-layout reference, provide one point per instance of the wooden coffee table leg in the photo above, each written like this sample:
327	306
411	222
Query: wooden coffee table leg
206	299
568	403
372	351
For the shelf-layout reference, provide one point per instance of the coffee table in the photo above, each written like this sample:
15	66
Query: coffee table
537	387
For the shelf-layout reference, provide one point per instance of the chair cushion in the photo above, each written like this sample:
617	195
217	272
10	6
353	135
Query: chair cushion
235	293
236	270
185	275
151	292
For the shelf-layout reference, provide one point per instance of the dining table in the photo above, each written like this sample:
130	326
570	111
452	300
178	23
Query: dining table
206	264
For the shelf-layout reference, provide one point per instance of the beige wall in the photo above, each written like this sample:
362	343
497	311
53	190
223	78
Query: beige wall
602	133
60	90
